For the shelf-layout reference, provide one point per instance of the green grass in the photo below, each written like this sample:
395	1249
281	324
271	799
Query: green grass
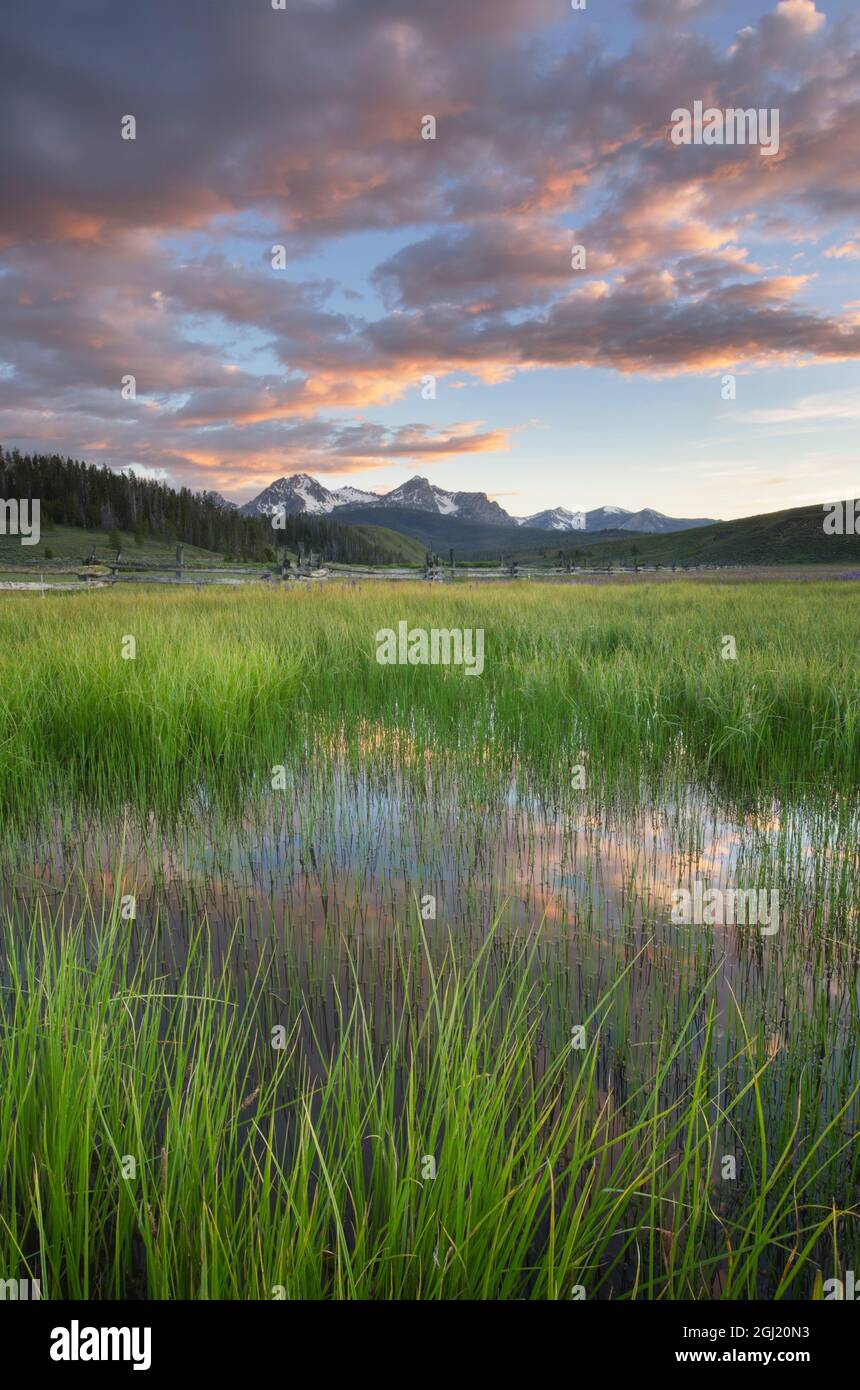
71	545
305	1169
223	686
256	1173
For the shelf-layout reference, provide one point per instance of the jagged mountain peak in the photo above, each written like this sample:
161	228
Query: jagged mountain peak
301	493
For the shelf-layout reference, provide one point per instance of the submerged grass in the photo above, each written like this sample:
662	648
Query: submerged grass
154	1144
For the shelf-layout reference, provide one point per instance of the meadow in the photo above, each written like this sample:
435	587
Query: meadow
329	979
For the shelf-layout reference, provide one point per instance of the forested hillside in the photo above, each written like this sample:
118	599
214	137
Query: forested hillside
92	497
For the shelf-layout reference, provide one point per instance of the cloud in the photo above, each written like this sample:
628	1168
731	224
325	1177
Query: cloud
643	326
799	16
827	407
139	470
783	33
152	256
500	265
849	250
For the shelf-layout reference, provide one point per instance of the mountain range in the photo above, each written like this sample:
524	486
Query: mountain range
301	494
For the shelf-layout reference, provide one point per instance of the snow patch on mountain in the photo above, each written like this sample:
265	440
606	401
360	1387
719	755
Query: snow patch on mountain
303	495
556	519
354	497
446	502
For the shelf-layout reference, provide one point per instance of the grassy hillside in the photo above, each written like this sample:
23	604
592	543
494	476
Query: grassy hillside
793	537
65	546
401	549
442	533
68	546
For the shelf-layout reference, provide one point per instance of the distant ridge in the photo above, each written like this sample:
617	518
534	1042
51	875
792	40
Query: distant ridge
795	536
300	494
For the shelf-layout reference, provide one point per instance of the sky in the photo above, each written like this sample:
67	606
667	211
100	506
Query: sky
406	258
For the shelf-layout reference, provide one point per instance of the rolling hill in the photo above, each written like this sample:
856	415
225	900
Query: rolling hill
792	537
440	534
64	547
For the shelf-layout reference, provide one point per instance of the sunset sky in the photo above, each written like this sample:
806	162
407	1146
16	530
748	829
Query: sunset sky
407	257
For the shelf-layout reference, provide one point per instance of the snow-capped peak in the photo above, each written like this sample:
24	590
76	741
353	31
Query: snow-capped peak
302	494
557	519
